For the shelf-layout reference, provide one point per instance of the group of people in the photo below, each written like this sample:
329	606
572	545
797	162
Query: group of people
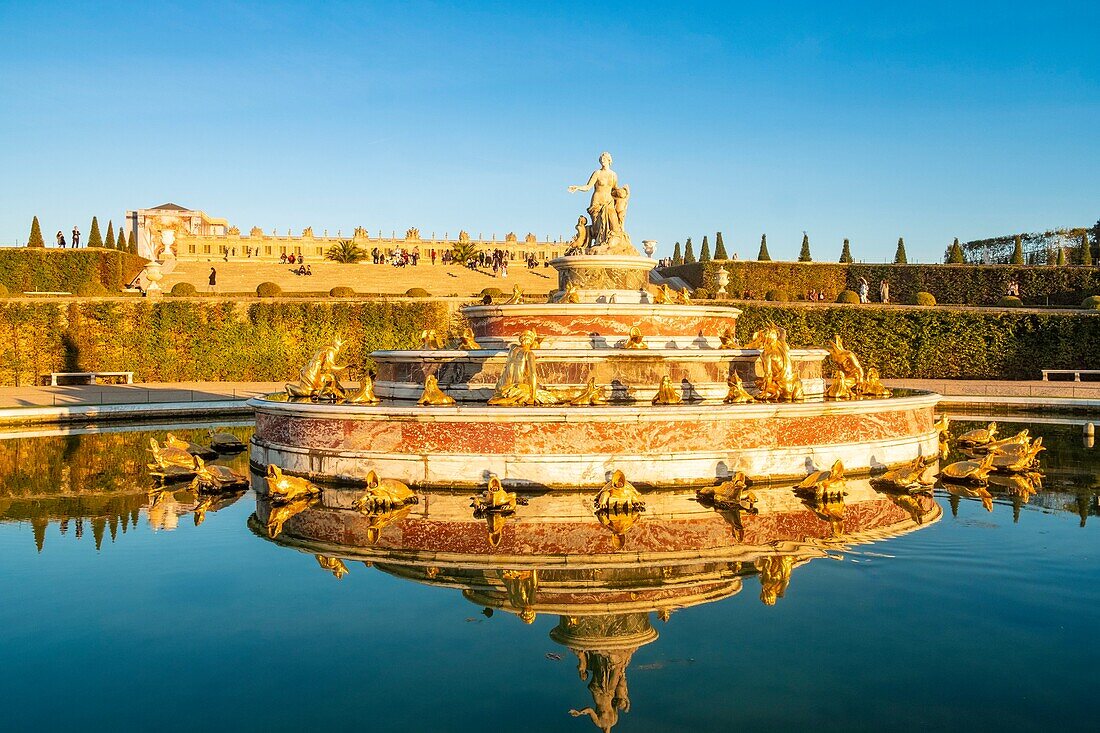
865	291
75	240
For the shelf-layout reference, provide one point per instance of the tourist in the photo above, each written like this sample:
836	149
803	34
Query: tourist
213	279
282	258
1013	289
76	237
60	239
309	271
864	290
291	260
812	295
884	290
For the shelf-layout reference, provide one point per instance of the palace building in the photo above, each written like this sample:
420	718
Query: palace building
194	235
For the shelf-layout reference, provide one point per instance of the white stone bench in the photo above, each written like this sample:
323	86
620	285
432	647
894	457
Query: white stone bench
127	377
1075	372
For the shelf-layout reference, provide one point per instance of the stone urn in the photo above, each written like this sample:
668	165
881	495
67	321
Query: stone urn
153	275
723	281
650	246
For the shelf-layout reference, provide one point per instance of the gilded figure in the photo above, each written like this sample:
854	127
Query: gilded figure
334	565
384	495
635	340
913	476
872	386
976	472
516	297
732	494
737	394
282	488
433	396
216	477
846	360
167	458
667	394
466	340
981	436
777	379
619	495
518	382
432	340
839	388
825	482
1017	458
590	394
728	339
364	395
571	294
319	379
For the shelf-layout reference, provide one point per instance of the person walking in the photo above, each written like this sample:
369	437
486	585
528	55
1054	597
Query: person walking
864	290
60	240
884	290
76	237
213	279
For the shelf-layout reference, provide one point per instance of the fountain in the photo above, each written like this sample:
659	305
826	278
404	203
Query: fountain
614	373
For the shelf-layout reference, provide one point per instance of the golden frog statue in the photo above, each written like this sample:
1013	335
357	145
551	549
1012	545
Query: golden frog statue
365	394
517	296
591	394
666	393
846	360
777	379
728	339
466	340
872	387
432	340
384	495
494	499
737	394
775	575
839	388
282	488
618	496
635	340
320	377
823	483
518	382
433	396
730	494
570	295
334	565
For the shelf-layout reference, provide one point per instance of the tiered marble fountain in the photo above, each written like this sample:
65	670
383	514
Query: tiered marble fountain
612	374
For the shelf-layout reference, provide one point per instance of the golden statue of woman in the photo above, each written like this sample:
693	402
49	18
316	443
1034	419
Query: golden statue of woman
518	383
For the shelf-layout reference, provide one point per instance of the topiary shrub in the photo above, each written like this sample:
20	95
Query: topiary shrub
848	296
778	296
492	292
925	299
1010	301
91	289
341	291
701	294
183	290
1093	301
417	293
268	290
3	291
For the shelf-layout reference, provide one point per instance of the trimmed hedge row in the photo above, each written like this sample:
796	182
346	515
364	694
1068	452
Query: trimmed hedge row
921	343
957	284
25	269
192	340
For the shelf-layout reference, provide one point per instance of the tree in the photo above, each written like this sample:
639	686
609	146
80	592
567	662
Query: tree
899	255
110	243
677	258
704	251
131	244
1061	257
846	252
804	255
1018	251
1086	250
463	251
35	240
955	254
719	248
689	252
763	255
346	251
95	239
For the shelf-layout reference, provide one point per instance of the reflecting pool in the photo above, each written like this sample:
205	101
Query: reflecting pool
130	607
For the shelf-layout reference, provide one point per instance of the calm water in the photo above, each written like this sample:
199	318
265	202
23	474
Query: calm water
121	615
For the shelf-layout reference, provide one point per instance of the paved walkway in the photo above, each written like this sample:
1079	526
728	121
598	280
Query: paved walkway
130	394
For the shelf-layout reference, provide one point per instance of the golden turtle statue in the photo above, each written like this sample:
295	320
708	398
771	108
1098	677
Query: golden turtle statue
914	476
968	471
981	436
169	460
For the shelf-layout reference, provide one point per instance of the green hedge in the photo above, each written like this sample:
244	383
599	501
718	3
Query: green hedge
197	340
941	343
958	284
65	270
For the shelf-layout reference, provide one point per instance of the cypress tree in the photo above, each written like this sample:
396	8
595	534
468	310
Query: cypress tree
131	244
846	253
955	257
689	252
704	251
95	239
1061	257
1018	251
719	248
677	258
35	240
899	256
763	255
110	242
804	255
1086	250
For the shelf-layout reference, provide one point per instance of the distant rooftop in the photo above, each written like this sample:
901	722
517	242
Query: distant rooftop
173	207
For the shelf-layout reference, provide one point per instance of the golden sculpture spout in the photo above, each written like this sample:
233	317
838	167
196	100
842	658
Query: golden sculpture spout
667	394
635	339
466	341
433	396
319	379
737	394
432	340
365	394
384	495
518	382
777	379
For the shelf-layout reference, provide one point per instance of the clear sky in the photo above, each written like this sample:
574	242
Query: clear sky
862	120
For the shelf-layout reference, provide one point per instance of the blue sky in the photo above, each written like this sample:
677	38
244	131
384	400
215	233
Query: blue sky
862	120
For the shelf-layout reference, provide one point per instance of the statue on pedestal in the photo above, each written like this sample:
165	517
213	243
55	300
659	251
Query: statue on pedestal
607	211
